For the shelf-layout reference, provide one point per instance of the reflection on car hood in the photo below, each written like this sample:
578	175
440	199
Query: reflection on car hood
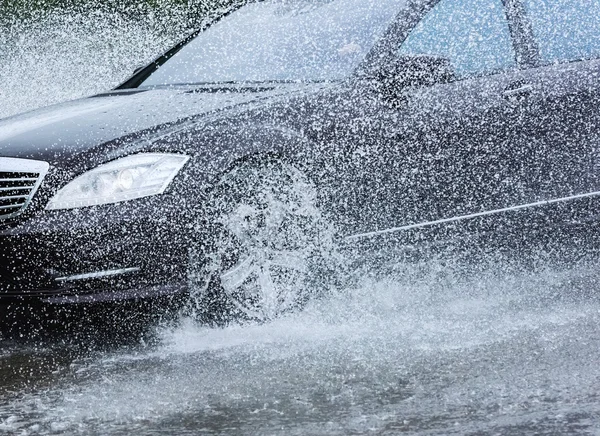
50	133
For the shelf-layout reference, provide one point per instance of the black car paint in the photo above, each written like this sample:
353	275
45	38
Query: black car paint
381	159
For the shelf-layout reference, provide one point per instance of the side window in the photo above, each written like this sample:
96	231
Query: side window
566	30
472	34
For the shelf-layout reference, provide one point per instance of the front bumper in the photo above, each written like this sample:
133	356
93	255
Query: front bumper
132	250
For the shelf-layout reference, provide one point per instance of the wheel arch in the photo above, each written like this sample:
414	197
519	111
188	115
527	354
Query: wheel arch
264	143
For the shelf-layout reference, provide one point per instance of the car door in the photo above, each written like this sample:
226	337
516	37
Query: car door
563	128
452	149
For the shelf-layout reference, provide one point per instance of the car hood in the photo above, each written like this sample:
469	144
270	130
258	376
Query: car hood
57	132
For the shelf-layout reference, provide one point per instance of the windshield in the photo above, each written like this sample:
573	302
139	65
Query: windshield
281	40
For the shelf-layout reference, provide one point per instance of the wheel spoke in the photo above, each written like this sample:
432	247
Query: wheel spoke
268	290
235	277
290	260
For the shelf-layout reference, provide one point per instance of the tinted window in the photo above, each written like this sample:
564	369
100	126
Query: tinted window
566	30
282	40
472	34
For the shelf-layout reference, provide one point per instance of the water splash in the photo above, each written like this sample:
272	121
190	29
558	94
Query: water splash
358	360
52	57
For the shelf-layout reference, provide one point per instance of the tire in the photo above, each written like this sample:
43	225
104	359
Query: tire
268	241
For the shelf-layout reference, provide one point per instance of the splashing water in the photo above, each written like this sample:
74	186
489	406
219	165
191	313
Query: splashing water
424	351
451	359
71	53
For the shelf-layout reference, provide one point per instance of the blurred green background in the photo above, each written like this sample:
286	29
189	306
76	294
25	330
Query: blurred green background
189	10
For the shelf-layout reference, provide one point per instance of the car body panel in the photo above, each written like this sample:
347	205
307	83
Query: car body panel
54	133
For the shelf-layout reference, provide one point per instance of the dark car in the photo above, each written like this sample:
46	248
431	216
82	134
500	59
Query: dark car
229	167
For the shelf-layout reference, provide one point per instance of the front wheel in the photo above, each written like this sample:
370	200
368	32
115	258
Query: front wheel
268	238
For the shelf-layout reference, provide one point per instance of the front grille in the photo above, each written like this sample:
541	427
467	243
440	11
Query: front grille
19	180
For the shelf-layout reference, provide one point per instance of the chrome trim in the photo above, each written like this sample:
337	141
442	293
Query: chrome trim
470	216
14	165
11	206
15	188
21	179
97	274
520	91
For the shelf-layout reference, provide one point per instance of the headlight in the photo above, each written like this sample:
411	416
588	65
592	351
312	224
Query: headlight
135	176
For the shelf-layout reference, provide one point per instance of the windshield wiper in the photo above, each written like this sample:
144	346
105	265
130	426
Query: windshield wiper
234	86
242	83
